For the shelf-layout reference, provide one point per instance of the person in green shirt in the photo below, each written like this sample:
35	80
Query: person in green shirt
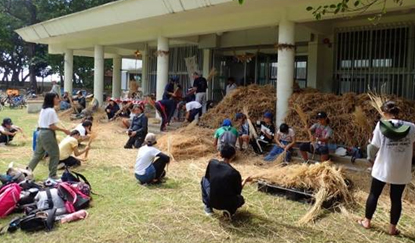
225	135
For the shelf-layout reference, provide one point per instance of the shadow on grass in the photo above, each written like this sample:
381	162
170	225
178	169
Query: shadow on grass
246	224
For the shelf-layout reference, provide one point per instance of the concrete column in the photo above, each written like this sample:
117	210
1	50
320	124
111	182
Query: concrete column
144	71
285	77
320	64
207	57
99	73
162	65
116	76
68	67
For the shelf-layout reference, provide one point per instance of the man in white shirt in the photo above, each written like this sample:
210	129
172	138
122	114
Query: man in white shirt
231	86
84	130
193	109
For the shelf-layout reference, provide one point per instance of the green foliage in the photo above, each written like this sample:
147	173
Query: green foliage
17	55
354	6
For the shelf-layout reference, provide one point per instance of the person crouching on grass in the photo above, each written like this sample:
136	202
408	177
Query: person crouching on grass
8	131
222	185
285	140
150	162
138	128
46	139
391	150
69	146
321	137
225	135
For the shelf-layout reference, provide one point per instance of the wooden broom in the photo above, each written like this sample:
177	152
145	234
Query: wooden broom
93	136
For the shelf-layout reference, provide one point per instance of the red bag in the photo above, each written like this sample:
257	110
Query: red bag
9	196
74	199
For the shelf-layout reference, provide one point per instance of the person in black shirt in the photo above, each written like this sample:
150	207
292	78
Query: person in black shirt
222	185
199	87
81	101
266	135
138	128
169	89
112	109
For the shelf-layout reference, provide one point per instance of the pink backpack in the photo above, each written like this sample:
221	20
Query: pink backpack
9	196
74	198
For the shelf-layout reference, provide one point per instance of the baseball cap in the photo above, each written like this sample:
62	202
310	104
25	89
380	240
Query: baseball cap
7	121
226	123
239	116
150	139
268	115
321	115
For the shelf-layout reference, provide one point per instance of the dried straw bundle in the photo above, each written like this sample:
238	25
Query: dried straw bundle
281	158
186	143
258	99
324	180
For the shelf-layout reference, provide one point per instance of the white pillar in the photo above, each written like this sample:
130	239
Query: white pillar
162	65
68	67
116	76
206	70
144	71
285	77
99	73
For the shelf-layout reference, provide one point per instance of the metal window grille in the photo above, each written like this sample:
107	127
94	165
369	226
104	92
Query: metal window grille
380	57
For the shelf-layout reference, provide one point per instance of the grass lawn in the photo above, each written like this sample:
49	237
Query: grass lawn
173	211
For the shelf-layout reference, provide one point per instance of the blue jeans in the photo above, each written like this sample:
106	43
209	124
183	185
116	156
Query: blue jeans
205	192
277	150
149	175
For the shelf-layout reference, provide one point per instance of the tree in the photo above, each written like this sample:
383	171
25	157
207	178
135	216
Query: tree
354	6
17	55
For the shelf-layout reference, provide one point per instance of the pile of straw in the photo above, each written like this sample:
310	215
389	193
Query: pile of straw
352	117
325	181
257	99
187	143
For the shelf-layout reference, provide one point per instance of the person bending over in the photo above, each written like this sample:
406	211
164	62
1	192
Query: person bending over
285	140
8	131
391	151
322	133
225	135
138	128
84	130
222	185
266	135
69	146
193	109
150	162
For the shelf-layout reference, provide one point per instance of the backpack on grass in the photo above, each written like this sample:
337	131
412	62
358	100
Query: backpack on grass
74	199
9	196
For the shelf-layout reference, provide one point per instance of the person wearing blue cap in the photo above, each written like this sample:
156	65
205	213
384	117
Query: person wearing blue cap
225	135
169	89
243	130
266	135
8	131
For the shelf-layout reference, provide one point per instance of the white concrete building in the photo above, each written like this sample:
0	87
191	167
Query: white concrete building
336	54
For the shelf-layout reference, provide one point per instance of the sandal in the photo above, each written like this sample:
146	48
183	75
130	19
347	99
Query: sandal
395	233
362	223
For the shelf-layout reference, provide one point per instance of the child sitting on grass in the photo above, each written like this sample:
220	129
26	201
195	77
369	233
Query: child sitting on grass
285	140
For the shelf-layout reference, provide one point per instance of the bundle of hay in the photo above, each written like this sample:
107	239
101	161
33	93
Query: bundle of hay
325	181
352	117
188	143
257	99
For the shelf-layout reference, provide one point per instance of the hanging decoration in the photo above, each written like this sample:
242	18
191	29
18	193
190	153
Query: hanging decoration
161	53
137	54
244	58
284	46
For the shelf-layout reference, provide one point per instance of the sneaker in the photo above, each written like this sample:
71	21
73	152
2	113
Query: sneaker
227	215
61	166
128	147
208	211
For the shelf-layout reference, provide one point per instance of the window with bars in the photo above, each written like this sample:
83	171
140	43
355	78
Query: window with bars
374	58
